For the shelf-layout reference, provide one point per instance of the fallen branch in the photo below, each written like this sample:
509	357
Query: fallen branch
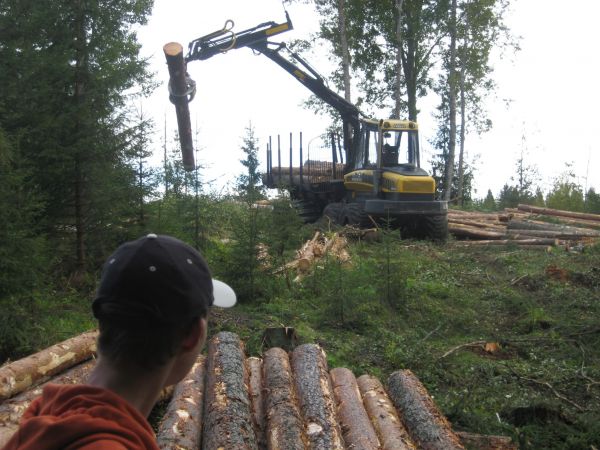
549	386
458	347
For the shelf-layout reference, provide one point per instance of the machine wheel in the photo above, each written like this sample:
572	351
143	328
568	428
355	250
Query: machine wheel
334	211
308	211
435	228
354	214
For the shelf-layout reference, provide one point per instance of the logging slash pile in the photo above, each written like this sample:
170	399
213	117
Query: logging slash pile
281	401
525	226
319	246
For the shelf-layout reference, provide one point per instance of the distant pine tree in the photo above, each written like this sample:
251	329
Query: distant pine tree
592	201
489	203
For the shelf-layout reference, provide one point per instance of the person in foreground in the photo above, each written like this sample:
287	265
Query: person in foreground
152	305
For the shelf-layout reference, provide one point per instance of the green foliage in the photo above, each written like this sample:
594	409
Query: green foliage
283	224
592	201
566	194
489	203
249	183
63	101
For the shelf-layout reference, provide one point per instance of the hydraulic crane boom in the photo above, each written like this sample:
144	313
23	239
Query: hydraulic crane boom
375	183
256	38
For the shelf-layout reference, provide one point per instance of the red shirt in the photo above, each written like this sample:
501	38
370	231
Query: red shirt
73	417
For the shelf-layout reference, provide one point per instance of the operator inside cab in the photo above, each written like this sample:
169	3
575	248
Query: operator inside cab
389	153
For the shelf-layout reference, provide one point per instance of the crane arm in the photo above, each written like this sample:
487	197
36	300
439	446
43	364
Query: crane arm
256	38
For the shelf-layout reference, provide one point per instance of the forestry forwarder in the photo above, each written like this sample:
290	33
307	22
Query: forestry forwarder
381	178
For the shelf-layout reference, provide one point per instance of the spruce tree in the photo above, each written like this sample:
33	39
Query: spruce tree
66	68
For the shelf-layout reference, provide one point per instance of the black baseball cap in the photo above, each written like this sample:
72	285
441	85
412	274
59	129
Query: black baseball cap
158	278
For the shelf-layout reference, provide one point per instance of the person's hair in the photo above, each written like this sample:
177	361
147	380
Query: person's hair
147	347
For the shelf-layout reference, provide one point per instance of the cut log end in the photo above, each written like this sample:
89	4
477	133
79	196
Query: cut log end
172	49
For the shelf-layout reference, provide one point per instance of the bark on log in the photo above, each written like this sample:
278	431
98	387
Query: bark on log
181	425
24	373
255	388
227	416
12	409
577	223
486	442
559	213
553	234
285	427
426	424
383	415
473	232
357	429
489	225
544	226
177	73
518	242
316	398
487	217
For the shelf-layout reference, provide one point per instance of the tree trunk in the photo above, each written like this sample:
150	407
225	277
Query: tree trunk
545	226
181	424
452	104
285	428
519	242
554	234
486	442
79	92
255	390
391	431
463	121
12	409
316	398
177	75
410	62
398	87
488	225
474	232
356	427
31	370
227	416
425	423
559	213
341	6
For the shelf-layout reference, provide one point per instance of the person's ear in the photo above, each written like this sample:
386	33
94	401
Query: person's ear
196	335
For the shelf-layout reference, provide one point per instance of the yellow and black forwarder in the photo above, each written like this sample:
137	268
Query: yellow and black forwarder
374	174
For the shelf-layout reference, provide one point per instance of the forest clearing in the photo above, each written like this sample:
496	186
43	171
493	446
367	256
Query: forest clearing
503	337
398	285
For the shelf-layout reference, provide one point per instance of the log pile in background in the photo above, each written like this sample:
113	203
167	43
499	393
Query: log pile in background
525	226
285	401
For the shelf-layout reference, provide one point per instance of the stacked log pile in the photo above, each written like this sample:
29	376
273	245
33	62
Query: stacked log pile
285	401
312	172
527	226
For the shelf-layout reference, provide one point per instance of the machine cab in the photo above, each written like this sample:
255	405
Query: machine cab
388	144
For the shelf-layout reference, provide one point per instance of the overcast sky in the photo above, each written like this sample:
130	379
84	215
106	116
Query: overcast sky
552	85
